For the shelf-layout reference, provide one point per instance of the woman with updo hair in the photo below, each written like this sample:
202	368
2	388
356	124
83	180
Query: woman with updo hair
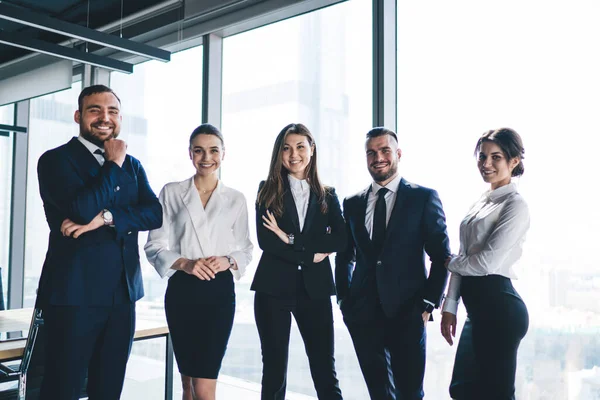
203	244
491	242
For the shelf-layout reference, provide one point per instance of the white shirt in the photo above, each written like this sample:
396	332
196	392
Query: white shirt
92	148
491	239
191	231
301	192
390	200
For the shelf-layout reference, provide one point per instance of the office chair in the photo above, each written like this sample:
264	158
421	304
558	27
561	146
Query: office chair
30	371
10	373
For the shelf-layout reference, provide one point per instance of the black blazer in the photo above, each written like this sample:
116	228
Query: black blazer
87	270
323	233
417	225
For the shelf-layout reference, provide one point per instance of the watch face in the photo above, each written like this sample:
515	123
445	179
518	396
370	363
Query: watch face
107	215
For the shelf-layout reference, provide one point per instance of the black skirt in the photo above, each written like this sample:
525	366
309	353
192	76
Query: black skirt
200	317
486	357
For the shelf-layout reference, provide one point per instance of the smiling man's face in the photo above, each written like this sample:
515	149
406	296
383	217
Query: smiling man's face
99	118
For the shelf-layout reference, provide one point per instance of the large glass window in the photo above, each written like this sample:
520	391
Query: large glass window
315	69
6	157
161	106
51	124
466	67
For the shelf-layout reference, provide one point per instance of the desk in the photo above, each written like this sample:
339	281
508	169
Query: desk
19	320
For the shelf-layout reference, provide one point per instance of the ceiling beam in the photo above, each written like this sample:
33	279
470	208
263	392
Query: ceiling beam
68	53
40	21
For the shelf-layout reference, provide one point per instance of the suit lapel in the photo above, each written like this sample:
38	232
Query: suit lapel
83	158
191	200
362	235
401	193
313	206
290	206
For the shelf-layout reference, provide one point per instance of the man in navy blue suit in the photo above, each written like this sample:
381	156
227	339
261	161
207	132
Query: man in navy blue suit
384	290
96	199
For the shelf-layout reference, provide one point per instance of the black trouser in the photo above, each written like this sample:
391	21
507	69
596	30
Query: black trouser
80	339
315	321
391	353
488	345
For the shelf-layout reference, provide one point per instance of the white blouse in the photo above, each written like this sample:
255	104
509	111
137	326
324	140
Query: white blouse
491	239
301	193
191	231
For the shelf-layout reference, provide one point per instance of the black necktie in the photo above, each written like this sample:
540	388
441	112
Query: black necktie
99	152
379	220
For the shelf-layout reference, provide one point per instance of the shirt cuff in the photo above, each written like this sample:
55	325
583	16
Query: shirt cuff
450	305
429	302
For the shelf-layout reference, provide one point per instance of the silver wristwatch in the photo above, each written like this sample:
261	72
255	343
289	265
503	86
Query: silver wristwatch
107	216
231	262
291	238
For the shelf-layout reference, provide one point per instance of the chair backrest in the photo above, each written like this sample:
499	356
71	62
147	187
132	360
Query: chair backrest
20	374
31	370
32	363
36	321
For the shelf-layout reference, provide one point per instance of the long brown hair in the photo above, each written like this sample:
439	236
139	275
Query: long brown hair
271	194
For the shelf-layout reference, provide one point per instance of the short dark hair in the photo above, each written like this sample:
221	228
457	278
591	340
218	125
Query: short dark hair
509	142
381	131
207	129
88	91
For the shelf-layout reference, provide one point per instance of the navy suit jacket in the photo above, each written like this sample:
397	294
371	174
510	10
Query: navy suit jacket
88	270
417	225
322	233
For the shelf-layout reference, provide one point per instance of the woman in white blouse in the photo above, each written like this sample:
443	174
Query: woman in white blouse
202	245
491	242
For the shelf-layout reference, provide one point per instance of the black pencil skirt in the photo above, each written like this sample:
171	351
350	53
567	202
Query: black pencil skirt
200	318
486	357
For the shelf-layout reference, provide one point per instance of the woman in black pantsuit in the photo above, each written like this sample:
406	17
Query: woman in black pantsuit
491	241
299	223
202	245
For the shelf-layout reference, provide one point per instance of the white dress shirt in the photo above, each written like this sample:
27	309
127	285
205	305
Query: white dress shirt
92	148
191	231
390	200
491	239
301	193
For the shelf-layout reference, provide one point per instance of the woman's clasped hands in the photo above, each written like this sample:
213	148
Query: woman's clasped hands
205	268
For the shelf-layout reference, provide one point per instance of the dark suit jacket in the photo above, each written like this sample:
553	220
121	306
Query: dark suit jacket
278	265
87	270
417	225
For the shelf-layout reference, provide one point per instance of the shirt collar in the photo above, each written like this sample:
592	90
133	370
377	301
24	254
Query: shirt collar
502	191
298	184
89	145
392	185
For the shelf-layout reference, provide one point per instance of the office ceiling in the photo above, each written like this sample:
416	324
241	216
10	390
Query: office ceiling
88	13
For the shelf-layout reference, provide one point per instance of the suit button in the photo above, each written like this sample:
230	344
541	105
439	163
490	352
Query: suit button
378	263
117	189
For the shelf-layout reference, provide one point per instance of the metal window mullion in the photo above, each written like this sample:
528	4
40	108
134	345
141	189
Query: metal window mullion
16	255
385	64
212	82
